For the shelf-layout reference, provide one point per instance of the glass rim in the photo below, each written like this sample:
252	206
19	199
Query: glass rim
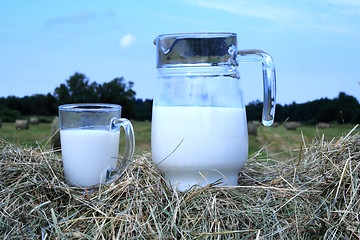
81	107
197	35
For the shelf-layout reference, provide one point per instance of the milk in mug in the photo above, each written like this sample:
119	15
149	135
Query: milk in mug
88	154
195	144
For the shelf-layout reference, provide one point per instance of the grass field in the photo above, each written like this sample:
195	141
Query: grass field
282	142
278	139
41	133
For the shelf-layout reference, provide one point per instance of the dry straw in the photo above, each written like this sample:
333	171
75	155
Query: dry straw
314	195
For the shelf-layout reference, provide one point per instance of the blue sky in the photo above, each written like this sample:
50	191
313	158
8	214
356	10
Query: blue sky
315	44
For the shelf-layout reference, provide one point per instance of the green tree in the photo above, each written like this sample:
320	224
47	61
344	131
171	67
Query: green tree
36	104
356	118
254	110
8	115
80	90
77	90
347	107
62	94
118	92
327	113
51	104
143	109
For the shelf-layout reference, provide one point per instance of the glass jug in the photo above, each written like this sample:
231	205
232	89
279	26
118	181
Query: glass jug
199	128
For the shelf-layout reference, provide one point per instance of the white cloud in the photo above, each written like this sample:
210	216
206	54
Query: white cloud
127	40
78	17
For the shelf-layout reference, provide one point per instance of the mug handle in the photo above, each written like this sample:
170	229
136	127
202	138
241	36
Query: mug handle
129	148
269	81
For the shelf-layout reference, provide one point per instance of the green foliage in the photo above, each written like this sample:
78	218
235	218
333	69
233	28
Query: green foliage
116	91
356	118
8	115
37	104
143	109
254	110
347	106
342	109
327	113
78	89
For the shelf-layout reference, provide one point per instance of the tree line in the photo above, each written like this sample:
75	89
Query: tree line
343	109
79	89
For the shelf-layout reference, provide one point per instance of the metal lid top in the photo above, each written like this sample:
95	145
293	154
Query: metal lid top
196	49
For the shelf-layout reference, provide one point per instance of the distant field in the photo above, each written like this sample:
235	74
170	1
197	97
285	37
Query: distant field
35	134
281	140
40	134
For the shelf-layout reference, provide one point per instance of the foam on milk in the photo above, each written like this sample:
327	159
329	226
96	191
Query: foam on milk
199	144
88	154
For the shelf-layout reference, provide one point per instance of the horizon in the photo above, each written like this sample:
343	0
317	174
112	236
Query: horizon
314	44
247	103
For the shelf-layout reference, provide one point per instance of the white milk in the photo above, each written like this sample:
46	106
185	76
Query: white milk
88	154
209	140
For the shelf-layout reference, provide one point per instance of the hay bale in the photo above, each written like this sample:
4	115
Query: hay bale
275	124
256	123
291	126
323	125
55	133
21	124
34	120
252	128
314	195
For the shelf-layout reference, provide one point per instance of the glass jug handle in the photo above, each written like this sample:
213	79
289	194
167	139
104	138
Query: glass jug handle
129	147
269	81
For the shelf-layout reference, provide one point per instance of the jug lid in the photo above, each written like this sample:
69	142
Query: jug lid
196	49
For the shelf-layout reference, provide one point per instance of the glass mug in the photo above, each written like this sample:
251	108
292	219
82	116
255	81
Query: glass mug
199	127
90	135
